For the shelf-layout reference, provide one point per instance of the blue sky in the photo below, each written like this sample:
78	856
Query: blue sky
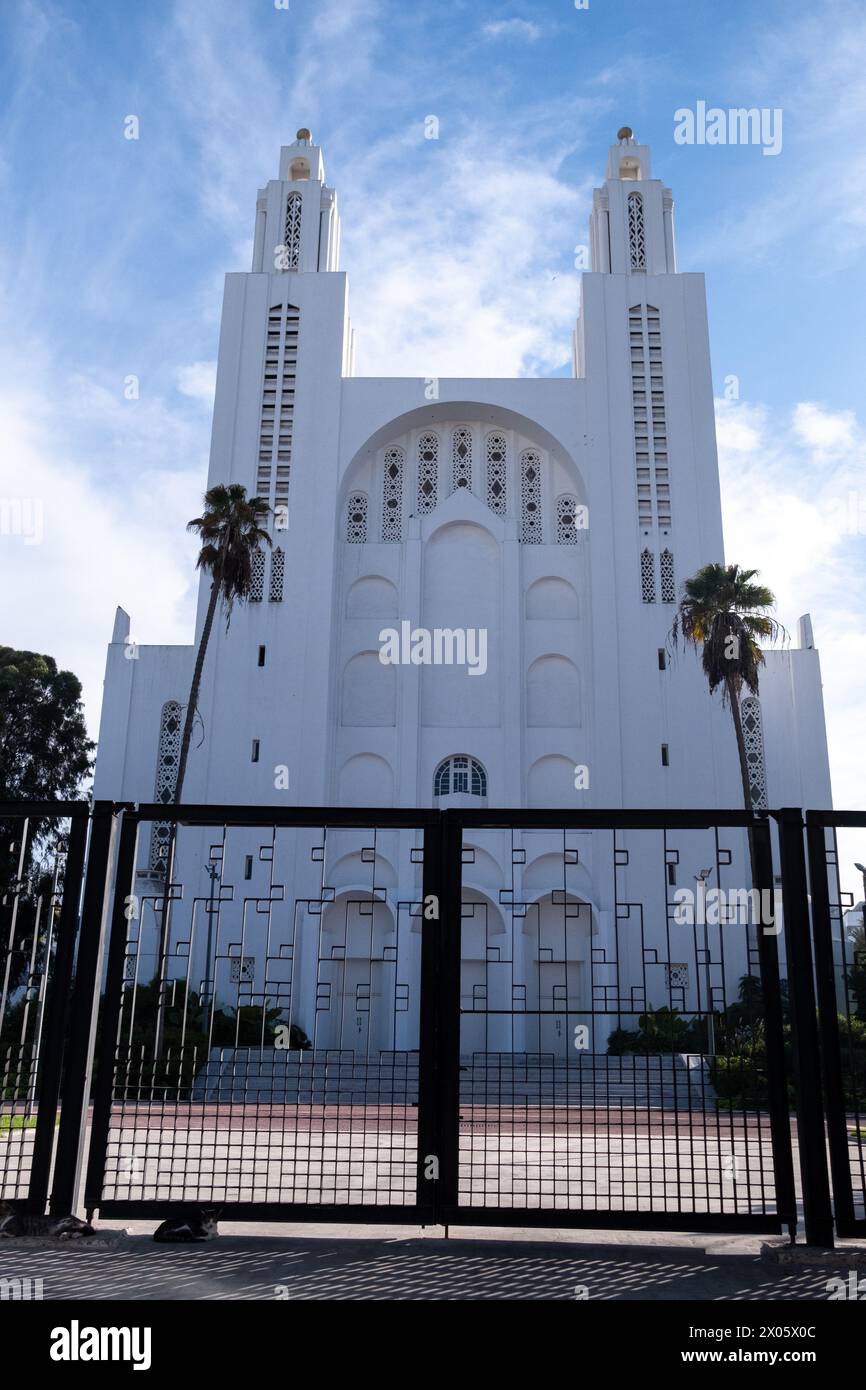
460	254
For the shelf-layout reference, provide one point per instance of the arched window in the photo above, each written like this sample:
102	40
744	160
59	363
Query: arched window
636	232
356	518
428	473
753	737
167	757
566	520
461	459
292	239
496	488
460	774
530	497
392	496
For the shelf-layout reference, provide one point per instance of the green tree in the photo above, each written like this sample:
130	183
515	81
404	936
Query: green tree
725	614
45	755
230	533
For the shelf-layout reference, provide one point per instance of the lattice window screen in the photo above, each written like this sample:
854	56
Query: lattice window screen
636	232
566	520
647	576
392	496
428	472
356	518
753	737
668	586
278	571
496	481
461	459
167	758
257	576
530	497
292	238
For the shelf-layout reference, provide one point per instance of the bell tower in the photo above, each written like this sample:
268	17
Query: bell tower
631	228
297	224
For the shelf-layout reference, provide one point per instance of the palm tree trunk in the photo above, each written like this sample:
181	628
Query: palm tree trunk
196	686
178	787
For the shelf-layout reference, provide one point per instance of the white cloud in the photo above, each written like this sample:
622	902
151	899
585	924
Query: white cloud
198	380
512	29
794	504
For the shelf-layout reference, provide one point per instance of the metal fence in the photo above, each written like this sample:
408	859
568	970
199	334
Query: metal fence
469	1016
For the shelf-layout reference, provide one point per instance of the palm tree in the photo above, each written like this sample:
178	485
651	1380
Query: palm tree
231	534
725	613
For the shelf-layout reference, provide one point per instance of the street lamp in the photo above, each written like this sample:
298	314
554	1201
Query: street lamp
711	1027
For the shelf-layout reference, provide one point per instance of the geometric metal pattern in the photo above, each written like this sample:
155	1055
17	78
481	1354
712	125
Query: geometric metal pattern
647	577
636	232
496	465
278	569
461	459
753	738
530	497
428	472
167	757
257	576
392	495
293	231
356	518
566	520
666	567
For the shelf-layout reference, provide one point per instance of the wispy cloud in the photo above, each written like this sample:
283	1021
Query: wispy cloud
512	29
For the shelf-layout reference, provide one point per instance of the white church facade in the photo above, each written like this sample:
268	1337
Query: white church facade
547	524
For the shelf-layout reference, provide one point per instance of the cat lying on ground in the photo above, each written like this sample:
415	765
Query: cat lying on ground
24	1223
183	1230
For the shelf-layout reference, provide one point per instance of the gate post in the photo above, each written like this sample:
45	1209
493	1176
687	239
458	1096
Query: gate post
804	1031
83	1012
54	1037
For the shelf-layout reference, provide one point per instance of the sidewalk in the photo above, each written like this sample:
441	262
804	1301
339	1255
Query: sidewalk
320	1263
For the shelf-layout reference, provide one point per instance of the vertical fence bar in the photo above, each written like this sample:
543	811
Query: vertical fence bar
777	1081
448	1051
83	1013
828	1022
804	1032
57	1017
428	1025
105	1061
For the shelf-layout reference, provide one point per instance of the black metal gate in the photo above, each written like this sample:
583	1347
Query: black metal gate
477	1017
42	849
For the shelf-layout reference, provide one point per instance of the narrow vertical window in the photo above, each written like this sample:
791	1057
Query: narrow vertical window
461	459
257	576
647	577
665	756
428	473
356	518
636	232
167	757
392	496
292	238
278	570
663	661
753	737
496	484
248	866
666	568
530	497
261	656
566	520
254	751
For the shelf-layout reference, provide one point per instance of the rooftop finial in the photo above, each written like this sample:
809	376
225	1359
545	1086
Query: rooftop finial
625	132
303	134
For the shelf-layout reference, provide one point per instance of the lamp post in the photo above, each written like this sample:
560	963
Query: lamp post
701	878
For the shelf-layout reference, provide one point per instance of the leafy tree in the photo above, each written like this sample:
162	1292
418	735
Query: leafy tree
45	755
